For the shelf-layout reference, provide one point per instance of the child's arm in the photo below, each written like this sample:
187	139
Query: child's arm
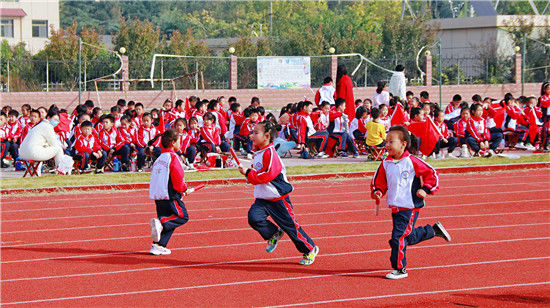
379	184
428	175
272	167
177	175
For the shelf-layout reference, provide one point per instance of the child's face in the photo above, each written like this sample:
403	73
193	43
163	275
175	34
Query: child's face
139	110
531	102
239	109
308	108
167	106
86	131
25	111
394	145
176	144
547	90
43	113
34	118
341	108
202	108
131	107
3	120
478	112
367	104
365	115
465	115
115	114
147	121
420	116
194	125
409	98
259	138
125	124
208	122
253	117
155	115
107	124
326	109
440	117
12	118
384	111
426	109
180	127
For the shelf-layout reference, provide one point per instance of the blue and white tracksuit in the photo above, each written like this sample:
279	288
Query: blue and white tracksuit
401	179
271	190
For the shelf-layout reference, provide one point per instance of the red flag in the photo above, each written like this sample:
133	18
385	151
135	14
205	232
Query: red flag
398	116
187	108
428	135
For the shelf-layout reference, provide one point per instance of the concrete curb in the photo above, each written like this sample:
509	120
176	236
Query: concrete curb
301	177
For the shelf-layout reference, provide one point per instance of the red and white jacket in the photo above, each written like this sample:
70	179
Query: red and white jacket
268	175
137	121
402	178
127	135
545	101
452	111
24	120
443	129
185	141
14	130
247	127
167	180
144	135
110	139
199	115
4	133
305	127
211	134
86	144
477	127
460	128
337	120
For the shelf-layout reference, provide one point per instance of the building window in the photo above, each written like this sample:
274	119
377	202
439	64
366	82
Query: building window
6	28
39	28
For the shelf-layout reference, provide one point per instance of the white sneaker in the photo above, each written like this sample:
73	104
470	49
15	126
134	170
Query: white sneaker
520	146
156	250
397	274
156	229
450	155
249	156
530	147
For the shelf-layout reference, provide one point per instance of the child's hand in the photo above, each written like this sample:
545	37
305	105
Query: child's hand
377	195
218	150
421	193
242	170
97	155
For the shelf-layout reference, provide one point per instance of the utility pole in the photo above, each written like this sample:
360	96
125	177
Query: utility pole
79	71
523	63
270	17
440	73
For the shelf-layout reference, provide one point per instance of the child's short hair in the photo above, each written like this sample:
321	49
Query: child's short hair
89	103
179	102
139	105
209	116
476	98
464	109
85	124
415	111
249	110
382	106
199	104
261	109
358	101
399	68
131	103
255	100
327	80
212	104
35	111
13	112
130	113
233	107
125	118
26	106
232	99
409	93
324	103
457	98
339	102
80	109
193	119
464	105
474	107
360	112
375	113
424	94
116	108
121	102
96	109
405	136
147	115
437	112
169	136
109	117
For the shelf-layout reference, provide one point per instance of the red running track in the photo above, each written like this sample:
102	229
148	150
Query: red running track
91	249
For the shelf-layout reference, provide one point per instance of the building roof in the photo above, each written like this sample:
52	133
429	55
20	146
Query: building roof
12	13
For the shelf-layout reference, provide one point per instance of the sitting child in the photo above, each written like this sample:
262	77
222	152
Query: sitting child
446	139
376	132
358	126
211	141
87	147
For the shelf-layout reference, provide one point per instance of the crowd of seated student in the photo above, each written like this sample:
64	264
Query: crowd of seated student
207	126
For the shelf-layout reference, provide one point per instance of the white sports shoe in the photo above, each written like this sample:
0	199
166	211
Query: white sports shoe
156	229
156	250
249	156
450	155
521	146
322	155
530	147
397	274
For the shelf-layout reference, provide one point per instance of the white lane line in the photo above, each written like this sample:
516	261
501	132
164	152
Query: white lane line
248	282
239	217
497	242
247	207
296	203
202	201
262	242
340	300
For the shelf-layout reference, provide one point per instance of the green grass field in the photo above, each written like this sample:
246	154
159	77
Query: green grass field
123	178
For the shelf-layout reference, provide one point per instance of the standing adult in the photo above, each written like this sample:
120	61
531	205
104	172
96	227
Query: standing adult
398	83
381	96
344	89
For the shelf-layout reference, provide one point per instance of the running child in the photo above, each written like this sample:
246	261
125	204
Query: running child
271	190
167	186
407	180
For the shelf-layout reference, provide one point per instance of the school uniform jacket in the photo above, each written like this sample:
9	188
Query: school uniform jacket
478	129
144	135
452	112
185	141
211	134
305	127
268	175
402	178
167	177
110	139
247	127
86	144
14	130
460	128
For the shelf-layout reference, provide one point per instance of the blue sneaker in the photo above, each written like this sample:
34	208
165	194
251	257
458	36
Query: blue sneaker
355	155
343	154
274	240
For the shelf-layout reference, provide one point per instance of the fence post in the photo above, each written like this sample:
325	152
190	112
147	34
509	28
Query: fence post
47	75
333	67
125	73
233	77
428	69
8	67
517	68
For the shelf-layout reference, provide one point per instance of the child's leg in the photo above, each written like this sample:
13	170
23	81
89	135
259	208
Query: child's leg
140	157
14	150
257	219
124	153
191	153
339	139
321	140
224	146
472	142
85	160
282	213
5	149
350	144
172	214
404	234
101	161
248	145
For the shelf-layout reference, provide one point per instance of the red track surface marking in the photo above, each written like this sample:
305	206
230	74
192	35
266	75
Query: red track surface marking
73	253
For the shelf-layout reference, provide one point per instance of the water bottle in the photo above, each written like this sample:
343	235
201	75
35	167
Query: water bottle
133	163
19	165
116	165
